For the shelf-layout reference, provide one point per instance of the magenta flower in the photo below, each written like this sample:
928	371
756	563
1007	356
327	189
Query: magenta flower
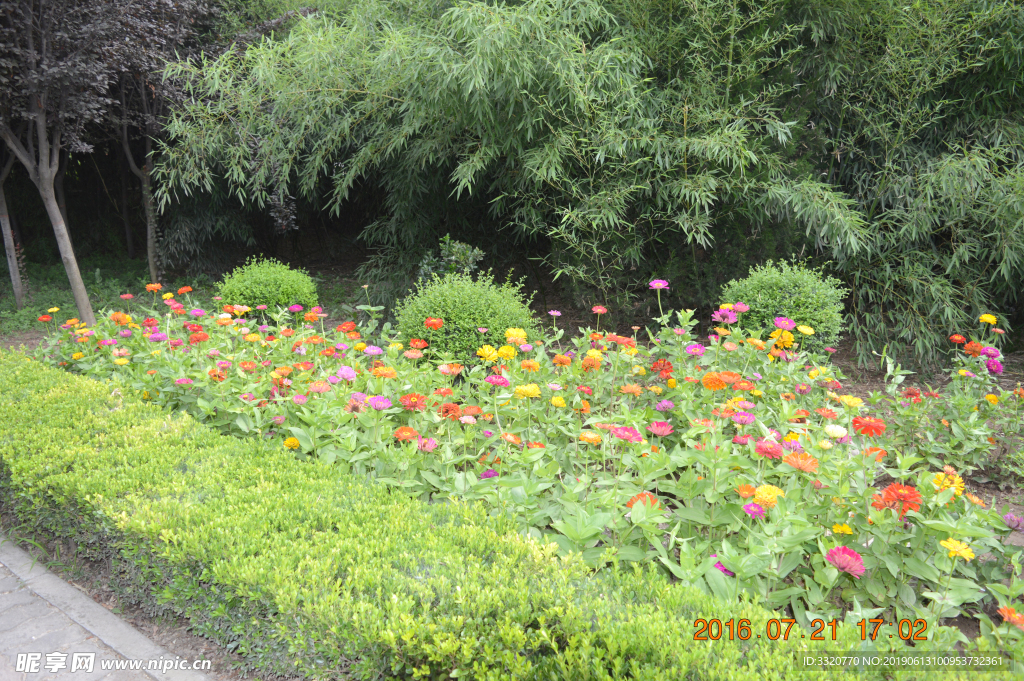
346	373
333	380
108	341
831	350
526	347
125	333
740	307
295	308
725	316
372	350
695	349
489	473
380	403
197	312
659	284
261	307
754	510
990	352
482	329
725	571
802	389
845	559
247	397
183	381
497	381
427	445
794	445
665	405
661	428
299	400
785	323
743	418
157	337
994	366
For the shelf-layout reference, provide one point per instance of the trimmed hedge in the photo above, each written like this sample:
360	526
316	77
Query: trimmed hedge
304	570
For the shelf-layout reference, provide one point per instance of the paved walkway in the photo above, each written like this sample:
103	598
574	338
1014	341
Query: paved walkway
51	631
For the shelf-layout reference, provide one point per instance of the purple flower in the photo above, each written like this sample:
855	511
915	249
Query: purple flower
554	313
793	445
785	323
372	350
743	418
489	473
659	284
125	333
295	308
994	366
341	346
695	349
183	381
754	510
300	350
333	380
725	571
757	376
740	307
802	389
990	352
380	403
1014	522
157	337
664	405
725	316
299	399
197	312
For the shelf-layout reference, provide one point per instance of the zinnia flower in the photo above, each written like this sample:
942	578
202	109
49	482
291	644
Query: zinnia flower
957	549
554	313
433	323
768	449
987	319
842	529
528	390
743	418
802	462
724	317
590	437
1014	522
754	510
406	434
766	496
627	434
599	309
835	432
868	425
845	559
994	367
712	381
489	473
805	330
661	428
725	571
380	403
785	323
659	284
899	497
643	498
426	445
746	491
291	443
695	349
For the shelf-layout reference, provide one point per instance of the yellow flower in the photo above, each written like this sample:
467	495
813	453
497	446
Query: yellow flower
825	444
133	325
53	309
487	353
292	443
145	394
962	372
805	330
766	496
528	390
656	389
756	342
722	331
943	481
168	296
957	549
359	347
120	361
671	383
639	371
630	351
992	399
725	306
155	353
842	529
987	319
757	393
507	352
590	437
851	401
792	436
77	355
783	338
395	346
252	337
515	336
557	401
595	353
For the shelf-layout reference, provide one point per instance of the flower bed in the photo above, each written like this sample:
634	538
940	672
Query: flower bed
734	463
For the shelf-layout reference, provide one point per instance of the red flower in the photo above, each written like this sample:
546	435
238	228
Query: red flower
45	318
433	323
958	339
184	289
345	327
413	402
418	343
585	390
199	337
643	498
900	498
663	367
443	392
868	425
826	413
450	410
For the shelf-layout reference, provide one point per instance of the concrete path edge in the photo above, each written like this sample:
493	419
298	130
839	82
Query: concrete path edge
90	615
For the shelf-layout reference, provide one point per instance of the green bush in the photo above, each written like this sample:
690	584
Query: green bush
267	282
792	290
465	306
307	571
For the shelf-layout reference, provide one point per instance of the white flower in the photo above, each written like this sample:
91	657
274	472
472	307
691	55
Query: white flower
835	431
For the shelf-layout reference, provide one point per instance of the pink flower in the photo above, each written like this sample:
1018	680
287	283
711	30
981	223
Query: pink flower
126	296
295	308
661	428
802	389
785	323
347	373
743	418
467	420
768	449
428	445
497	381
845	559
994	366
299	399
725	571
659	284
627	434
695	349
740	307
725	316
183	381
742	439
665	405
599	309
489	473
831	350
279	420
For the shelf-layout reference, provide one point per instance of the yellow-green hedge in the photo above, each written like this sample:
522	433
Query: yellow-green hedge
307	571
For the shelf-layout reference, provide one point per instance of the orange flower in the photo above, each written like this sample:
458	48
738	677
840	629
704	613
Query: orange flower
591	363
712	381
216	375
878	452
973	348
225	322
826	413
287	333
1011	616
184	289
314	340
450	410
900	498
789	397
561	361
327	352
119	318
453	369
529	365
153	288
746	491
584	407
384	372
413	402
418	343
745	386
311	317
643	498
247	366
351	335
433	323
345	327
730	377
443	392
590	437
472	410
536	445
973	498
303	366
868	425
283	371
802	462
596	336
511	439
631	389
800	416
405	434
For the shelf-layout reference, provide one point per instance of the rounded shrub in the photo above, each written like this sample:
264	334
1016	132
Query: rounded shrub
267	282
465	305
784	289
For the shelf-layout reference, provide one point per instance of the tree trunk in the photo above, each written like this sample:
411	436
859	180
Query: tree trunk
67	253
128	236
12	257
147	203
58	190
